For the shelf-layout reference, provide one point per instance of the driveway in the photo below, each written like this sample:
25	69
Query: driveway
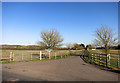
70	69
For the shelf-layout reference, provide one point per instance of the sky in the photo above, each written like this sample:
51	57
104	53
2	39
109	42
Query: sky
22	22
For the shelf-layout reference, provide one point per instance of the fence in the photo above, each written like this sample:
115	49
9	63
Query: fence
9	56
112	60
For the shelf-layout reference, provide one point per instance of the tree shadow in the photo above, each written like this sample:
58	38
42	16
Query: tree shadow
98	66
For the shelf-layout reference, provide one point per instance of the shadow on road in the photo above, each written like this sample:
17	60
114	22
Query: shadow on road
98	66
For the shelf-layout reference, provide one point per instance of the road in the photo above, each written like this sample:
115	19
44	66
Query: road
70	69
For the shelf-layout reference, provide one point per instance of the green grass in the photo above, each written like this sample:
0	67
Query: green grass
36	60
113	59
26	54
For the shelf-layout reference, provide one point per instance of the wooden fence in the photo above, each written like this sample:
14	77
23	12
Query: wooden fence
110	60
35	55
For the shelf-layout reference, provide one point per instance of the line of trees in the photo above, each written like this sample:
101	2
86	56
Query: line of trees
75	46
36	47
20	47
105	38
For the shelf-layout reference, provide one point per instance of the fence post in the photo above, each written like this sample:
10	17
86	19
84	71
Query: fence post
31	56
95	58
49	56
99	59
55	55
40	55
61	56
92	57
45	55
10	55
108	60
13	56
118	61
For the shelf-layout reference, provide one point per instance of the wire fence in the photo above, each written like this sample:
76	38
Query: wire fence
111	60
12	56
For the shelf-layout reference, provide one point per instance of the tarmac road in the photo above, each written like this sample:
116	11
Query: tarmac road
70	69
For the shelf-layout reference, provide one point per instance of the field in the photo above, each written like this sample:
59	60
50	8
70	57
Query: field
99	57
30	55
95	56
102	51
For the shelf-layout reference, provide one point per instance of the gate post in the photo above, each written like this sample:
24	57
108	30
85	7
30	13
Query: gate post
10	55
13	56
40	55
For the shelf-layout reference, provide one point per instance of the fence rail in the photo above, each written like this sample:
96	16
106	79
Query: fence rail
34	55
110	60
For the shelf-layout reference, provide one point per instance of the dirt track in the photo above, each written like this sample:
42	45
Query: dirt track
70	69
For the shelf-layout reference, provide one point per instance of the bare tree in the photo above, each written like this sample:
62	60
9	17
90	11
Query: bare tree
51	39
105	38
